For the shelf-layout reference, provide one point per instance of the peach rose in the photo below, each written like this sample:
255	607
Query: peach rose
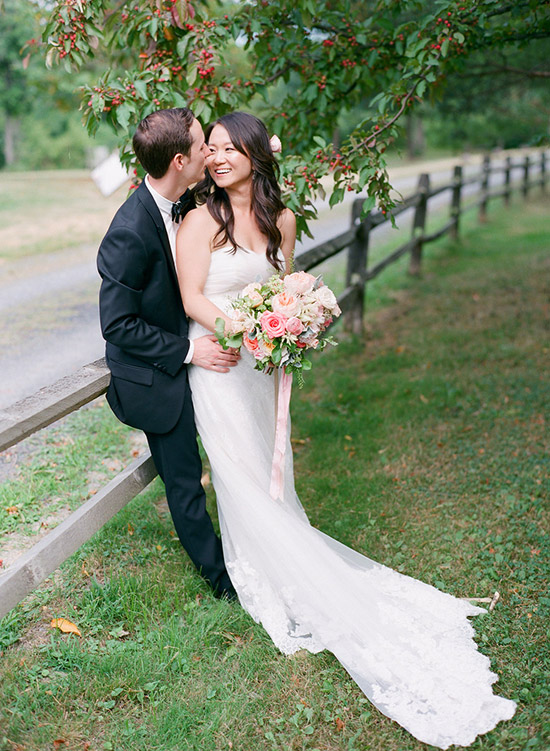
299	282
266	348
253	286
253	346
285	304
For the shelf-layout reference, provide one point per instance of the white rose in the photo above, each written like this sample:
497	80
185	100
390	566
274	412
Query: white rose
326	297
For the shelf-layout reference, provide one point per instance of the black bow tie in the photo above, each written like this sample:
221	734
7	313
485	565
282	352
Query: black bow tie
182	206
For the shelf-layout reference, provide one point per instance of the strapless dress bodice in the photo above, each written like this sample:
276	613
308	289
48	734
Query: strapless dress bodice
230	271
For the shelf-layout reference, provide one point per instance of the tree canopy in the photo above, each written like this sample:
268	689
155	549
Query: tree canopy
299	65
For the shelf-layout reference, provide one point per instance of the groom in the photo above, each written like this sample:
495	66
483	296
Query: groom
145	327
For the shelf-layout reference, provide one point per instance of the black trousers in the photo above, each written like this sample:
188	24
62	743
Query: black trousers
177	459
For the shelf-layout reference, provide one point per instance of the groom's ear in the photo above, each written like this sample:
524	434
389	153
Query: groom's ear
179	161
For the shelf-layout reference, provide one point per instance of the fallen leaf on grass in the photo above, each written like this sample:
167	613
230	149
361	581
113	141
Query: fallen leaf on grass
130	529
66	626
205	480
423	399
339	724
12	510
59	742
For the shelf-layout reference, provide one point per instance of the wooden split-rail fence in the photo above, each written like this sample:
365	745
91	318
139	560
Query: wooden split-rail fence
89	382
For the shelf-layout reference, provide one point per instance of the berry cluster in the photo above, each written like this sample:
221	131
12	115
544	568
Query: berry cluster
69	29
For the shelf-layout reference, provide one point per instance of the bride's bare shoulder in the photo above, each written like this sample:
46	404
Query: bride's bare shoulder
286	221
198	224
199	218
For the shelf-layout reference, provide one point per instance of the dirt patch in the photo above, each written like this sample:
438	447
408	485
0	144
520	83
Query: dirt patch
15	544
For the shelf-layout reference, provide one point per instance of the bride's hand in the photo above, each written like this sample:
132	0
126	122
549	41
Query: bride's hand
208	353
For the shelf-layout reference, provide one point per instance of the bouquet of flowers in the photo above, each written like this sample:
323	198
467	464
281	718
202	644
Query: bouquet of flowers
279	320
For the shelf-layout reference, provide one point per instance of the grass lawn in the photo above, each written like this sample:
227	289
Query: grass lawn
43	212
424	445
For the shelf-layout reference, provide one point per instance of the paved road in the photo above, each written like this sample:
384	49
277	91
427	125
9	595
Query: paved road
49	303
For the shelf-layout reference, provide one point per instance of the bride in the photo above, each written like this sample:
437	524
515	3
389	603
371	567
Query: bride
408	646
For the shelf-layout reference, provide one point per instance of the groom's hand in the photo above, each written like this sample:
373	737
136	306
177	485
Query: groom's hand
209	354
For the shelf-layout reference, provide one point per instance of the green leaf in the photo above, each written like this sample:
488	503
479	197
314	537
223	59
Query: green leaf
219	330
123	115
368	204
336	197
141	88
235	341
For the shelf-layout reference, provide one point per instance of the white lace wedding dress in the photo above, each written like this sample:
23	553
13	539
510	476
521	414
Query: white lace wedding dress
408	646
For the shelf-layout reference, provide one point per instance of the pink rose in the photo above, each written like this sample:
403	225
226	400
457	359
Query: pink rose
273	324
294	326
276	145
299	282
311	339
285	304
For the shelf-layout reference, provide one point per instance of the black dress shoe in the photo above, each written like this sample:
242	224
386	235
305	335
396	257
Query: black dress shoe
227	593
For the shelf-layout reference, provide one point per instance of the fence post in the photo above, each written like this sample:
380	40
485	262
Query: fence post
507	180
525	186
543	171
455	200
419	223
485	171
357	268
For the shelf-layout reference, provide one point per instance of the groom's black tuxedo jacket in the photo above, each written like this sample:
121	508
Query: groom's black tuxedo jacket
142	317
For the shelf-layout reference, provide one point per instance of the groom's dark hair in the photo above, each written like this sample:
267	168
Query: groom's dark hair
160	136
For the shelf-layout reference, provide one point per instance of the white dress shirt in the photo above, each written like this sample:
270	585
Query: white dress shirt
165	207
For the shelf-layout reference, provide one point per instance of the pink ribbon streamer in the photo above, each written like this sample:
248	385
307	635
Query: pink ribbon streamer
278	465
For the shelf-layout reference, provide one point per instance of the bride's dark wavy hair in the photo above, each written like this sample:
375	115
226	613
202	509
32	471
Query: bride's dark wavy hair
248	135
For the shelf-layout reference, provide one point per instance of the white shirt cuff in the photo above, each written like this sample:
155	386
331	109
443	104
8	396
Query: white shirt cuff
190	353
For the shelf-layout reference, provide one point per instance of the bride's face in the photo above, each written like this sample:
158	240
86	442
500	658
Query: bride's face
227	166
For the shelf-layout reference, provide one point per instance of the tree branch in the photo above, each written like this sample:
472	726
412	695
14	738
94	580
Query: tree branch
394	119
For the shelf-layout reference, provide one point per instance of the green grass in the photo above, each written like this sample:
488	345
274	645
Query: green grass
424	445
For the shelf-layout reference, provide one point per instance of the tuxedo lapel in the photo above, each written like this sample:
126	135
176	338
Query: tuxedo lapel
147	201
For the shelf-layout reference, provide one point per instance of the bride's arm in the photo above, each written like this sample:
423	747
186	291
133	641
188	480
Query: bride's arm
193	254
287	227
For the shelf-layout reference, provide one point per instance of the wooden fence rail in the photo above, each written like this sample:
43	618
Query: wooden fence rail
70	393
